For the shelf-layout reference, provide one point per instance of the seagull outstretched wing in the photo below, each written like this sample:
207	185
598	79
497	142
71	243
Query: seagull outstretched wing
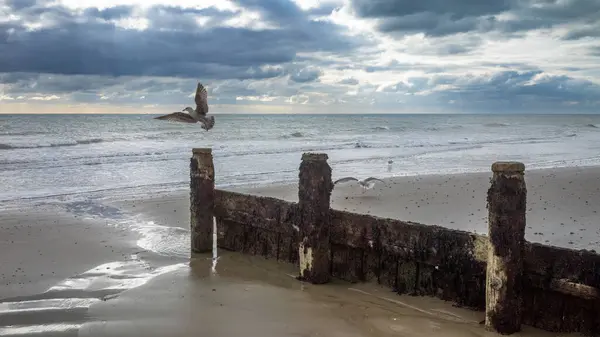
343	180
201	99
368	180
177	117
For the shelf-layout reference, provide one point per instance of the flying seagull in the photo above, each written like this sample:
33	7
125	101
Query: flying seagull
194	116
366	184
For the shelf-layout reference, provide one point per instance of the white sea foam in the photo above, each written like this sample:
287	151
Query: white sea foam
50	156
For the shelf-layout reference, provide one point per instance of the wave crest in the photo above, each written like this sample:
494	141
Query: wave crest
296	134
75	143
495	125
380	128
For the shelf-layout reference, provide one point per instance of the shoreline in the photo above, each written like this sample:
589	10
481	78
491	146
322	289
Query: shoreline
121	193
131	254
560	209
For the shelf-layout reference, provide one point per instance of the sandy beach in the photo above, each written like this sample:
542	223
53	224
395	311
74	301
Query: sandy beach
110	267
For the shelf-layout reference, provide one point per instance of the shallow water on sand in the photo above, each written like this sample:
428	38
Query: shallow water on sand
249	296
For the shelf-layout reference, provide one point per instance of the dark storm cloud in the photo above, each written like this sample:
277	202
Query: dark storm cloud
20	4
173	45
459	8
432	17
20	83
521	87
433	24
447	17
443	47
580	33
505	92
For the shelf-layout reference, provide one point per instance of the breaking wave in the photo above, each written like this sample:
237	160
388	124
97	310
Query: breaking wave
495	125
296	134
74	143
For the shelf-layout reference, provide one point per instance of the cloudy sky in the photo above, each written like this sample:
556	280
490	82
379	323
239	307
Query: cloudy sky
294	56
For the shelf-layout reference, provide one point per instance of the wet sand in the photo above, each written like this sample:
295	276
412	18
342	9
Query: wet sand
250	296
121	267
41	247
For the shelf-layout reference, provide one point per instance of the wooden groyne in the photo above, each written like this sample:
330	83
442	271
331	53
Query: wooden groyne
514	281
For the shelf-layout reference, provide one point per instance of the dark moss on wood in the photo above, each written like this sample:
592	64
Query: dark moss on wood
347	263
388	269
590	269
471	285
596	317
233	235
288	248
268	213
539	259
270	247
578	315
251	242
371	265
202	187
313	218
407	277
506	203
507	207
528	313
426	285
548	310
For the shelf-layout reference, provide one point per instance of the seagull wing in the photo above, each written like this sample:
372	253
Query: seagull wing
373	179
201	99
177	117
207	122
343	180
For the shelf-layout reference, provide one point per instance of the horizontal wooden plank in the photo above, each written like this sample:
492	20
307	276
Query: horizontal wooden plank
423	243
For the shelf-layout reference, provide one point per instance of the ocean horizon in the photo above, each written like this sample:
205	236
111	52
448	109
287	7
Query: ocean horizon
45	157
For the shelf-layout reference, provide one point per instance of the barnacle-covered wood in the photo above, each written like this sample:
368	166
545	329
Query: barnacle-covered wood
445	263
202	187
257	225
313	218
504	285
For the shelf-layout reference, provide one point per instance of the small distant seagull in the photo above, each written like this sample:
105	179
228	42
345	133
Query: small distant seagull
194	116
366	184
390	162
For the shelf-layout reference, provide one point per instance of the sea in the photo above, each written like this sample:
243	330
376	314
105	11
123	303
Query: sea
71	157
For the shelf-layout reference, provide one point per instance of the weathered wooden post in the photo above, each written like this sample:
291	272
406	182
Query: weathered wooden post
202	187
506	220
314	194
